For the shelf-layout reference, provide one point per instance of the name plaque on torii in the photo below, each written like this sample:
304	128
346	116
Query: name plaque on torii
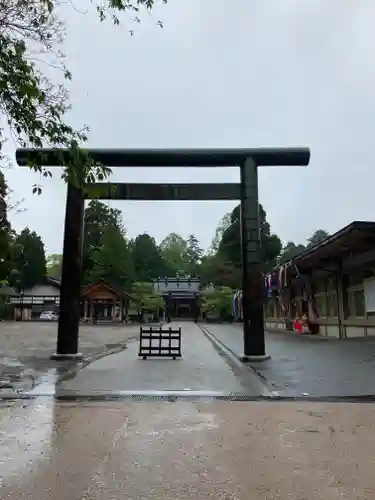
163	192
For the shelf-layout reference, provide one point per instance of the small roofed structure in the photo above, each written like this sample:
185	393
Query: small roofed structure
180	294
331	283
102	300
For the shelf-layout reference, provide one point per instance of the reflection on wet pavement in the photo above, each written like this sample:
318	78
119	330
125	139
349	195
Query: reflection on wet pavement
47	383
183	450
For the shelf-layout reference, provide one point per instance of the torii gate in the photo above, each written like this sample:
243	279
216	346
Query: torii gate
248	160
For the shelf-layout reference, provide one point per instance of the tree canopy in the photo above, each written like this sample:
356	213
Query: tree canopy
148	261
109	253
193	255
54	265
318	236
289	251
174	251
33	99
97	219
29	260
112	260
230	245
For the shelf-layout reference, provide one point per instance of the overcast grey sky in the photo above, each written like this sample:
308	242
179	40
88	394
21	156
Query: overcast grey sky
244	73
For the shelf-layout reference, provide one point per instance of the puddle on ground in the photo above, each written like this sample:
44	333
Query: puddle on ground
10	362
46	383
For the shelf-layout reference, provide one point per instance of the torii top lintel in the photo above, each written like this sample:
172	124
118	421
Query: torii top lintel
266	157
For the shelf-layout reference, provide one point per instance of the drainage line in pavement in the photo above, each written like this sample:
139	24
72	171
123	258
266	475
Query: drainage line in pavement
191	398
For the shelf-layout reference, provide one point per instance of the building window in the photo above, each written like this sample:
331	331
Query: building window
270	308
356	302
278	309
321	304
319	286
332	305
355	279
331	285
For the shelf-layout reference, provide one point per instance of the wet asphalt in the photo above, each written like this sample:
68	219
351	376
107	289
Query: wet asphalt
304	366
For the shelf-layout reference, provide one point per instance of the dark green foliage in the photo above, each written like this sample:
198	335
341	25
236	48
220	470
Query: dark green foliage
28	259
230	245
148	261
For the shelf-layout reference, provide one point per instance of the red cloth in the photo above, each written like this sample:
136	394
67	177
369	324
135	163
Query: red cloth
297	326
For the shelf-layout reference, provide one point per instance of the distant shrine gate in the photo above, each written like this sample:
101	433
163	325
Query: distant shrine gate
248	160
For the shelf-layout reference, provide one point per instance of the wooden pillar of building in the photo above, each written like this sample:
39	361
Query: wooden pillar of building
339	281
126	305
114	307
67	334
252	277
122	310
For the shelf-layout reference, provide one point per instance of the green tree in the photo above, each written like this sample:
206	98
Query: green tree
219	271
142	288
112	260
147	299
112	9
290	251
318	236
148	262
98	218
218	300
224	223
5	234
34	105
54	265
193	255
230	245
174	252
29	260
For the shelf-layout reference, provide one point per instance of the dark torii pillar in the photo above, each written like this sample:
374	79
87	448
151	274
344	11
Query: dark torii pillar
248	160
70	289
252	278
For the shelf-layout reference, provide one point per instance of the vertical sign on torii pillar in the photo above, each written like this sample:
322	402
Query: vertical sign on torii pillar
248	160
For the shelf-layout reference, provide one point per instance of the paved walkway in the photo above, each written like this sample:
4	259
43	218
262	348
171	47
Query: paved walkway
186	450
309	366
200	369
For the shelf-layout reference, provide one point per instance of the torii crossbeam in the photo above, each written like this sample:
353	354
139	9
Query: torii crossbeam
248	160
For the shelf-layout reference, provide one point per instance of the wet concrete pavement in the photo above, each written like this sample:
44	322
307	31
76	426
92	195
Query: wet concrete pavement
194	446
309	366
26	347
201	368
205	449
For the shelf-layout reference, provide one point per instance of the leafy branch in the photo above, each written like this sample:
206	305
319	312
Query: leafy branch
33	105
